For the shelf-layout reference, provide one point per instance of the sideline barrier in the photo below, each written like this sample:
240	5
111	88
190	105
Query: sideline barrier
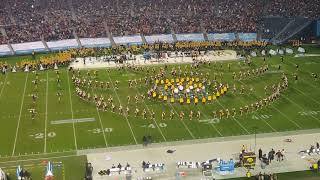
23	48
124	40
221	37
159	37
4	50
60	45
95	42
190	37
247	36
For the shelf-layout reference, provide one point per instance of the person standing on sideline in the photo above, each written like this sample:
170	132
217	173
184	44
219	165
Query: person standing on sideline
260	153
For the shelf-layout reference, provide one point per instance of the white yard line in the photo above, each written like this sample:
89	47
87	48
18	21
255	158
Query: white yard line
153	120
4	84
306	80
235	119
19	119
283	114
306	95
184	124
120	104
46	118
35	159
164	138
299	106
72	115
211	123
101	126
265	121
272	128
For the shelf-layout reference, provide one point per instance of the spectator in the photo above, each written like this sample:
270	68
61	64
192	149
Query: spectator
30	20
260	153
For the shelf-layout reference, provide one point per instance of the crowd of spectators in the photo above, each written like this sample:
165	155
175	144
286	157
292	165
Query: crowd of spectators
30	20
294	8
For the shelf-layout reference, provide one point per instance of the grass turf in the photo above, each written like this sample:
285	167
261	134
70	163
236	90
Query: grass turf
298	108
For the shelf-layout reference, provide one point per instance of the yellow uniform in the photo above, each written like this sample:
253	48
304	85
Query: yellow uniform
165	98
204	100
181	100
196	100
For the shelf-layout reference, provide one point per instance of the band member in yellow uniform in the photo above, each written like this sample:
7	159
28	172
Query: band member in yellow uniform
136	112
190	115
181	115
181	100
163	114
204	100
196	100
171	114
198	115
221	113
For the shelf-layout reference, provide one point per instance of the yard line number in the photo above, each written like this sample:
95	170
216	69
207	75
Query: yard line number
41	135
99	130
309	113
152	126
261	116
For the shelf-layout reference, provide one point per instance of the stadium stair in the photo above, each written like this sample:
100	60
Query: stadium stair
293	27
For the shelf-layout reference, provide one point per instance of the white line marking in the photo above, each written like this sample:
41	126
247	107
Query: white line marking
284	115
211	123
182	122
34	159
273	129
46	119
120	104
18	125
153	120
150	112
306	95
4	84
72	115
69	121
235	119
299	106
101	125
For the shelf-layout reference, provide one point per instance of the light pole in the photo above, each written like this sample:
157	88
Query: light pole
255	137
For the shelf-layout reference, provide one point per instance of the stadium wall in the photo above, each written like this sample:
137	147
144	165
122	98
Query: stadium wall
38	46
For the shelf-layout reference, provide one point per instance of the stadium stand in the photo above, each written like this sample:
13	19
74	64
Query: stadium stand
26	21
272	26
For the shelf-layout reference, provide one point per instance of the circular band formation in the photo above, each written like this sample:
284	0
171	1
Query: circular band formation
187	90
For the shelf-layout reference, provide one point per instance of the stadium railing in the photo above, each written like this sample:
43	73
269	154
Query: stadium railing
39	46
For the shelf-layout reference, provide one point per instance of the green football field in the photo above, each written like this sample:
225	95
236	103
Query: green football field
55	134
75	124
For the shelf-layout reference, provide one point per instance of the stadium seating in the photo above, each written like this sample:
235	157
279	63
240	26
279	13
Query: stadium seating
26	21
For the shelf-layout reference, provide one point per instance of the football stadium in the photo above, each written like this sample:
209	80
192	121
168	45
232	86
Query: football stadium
159	90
